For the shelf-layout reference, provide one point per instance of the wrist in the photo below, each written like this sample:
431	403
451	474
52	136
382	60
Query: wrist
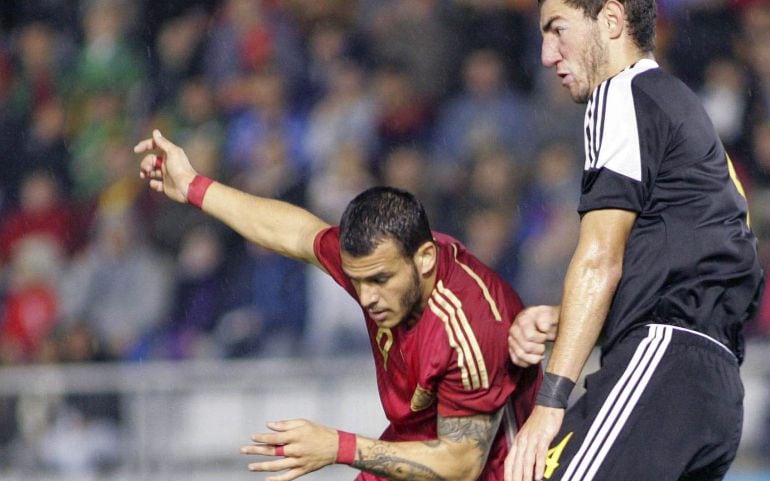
196	190
555	391
346	449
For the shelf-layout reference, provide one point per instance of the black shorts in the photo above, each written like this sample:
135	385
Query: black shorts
667	404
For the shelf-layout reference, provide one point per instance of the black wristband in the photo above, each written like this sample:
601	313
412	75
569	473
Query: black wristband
554	392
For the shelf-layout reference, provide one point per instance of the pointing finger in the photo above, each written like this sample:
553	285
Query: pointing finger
161	141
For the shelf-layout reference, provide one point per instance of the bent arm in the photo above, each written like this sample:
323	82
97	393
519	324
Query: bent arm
459	454
589	287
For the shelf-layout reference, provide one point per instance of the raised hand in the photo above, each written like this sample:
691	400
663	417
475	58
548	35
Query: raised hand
166	166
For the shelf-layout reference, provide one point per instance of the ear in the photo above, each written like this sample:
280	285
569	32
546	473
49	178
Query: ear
426	257
613	15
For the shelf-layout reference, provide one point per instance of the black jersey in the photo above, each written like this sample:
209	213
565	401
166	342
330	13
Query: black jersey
691	258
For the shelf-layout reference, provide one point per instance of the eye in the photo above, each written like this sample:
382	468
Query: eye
379	279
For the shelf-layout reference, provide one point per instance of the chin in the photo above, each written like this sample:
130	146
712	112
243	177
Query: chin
579	97
389	323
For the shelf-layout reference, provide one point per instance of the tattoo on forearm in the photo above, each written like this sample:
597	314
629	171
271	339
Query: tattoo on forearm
480	429
385	460
382	461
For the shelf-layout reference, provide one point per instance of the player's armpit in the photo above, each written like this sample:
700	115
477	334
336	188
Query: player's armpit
459	454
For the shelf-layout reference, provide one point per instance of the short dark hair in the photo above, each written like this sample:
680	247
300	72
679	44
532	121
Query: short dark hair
382	213
641	16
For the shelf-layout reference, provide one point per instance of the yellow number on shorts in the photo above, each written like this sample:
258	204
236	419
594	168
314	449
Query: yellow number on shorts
552	460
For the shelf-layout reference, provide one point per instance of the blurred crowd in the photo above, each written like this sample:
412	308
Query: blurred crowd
309	101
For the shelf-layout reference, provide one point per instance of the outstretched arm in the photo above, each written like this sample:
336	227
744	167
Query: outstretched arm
459	453
275	225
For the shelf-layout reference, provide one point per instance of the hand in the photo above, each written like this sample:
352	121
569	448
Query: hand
527	459
529	332
307	447
169	170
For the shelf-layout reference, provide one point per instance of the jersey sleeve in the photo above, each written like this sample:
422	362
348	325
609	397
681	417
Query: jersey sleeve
479	376
619	136
326	247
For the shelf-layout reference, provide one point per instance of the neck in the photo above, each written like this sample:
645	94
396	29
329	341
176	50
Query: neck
426	290
622	55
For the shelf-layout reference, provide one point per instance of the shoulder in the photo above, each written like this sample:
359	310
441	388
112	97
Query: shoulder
326	247
615	94
327	243
468	288
463	270
620	115
647	87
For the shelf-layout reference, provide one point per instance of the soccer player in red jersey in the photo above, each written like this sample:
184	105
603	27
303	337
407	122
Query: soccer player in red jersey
437	320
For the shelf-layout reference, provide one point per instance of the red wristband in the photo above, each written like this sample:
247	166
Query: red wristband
346	453
197	189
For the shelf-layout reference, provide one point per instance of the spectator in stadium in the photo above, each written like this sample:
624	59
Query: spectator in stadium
419	36
549	227
179	48
265	113
108	57
333	319
403	117
407	168
436	317
665	269
345	114
42	211
103	283
486	111
29	310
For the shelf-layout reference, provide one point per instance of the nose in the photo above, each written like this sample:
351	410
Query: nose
369	295
549	52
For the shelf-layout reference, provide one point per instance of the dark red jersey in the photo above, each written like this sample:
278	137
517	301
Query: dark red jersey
454	360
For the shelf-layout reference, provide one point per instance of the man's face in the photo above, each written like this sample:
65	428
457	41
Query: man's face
387	283
573	44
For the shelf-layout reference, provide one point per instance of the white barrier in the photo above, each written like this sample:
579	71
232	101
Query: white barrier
187	420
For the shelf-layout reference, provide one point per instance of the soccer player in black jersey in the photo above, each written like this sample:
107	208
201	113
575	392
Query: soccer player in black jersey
664	275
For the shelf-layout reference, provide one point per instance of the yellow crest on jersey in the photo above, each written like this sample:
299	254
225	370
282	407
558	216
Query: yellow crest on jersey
422	399
384	340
